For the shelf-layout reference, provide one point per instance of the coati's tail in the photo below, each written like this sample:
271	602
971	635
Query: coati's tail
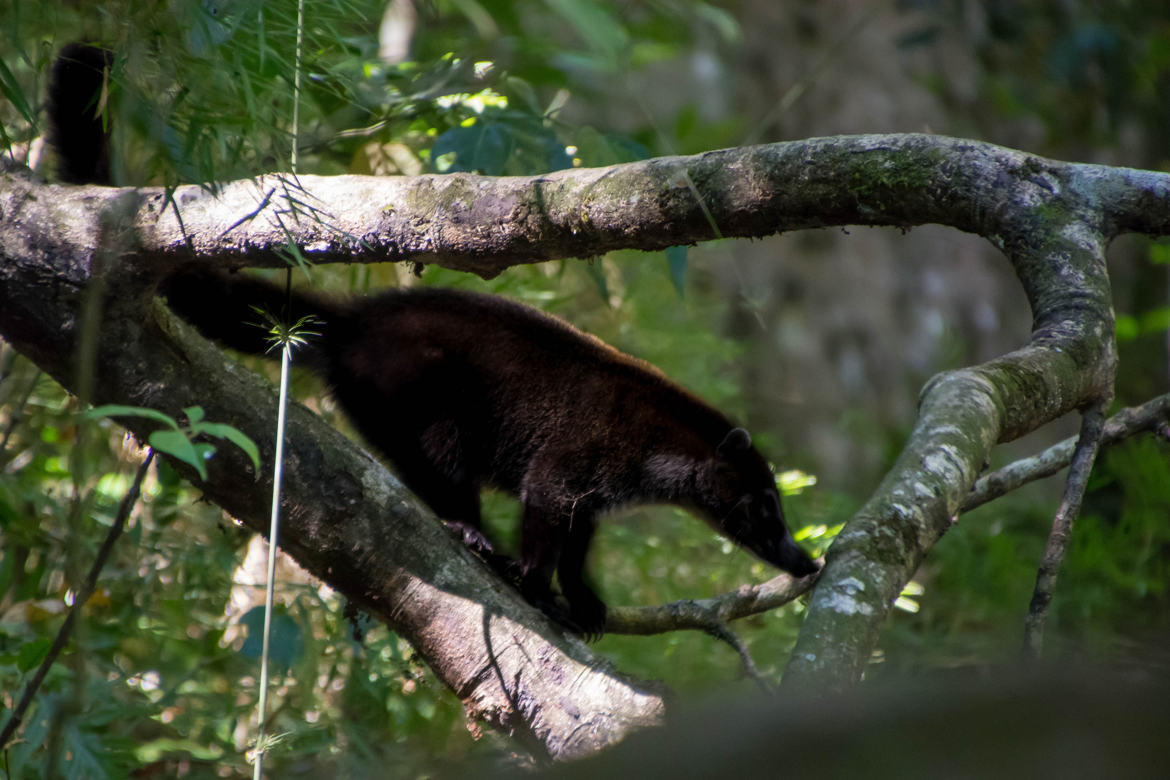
78	131
239	311
236	310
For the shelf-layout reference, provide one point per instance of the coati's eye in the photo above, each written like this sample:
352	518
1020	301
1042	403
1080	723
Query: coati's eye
771	505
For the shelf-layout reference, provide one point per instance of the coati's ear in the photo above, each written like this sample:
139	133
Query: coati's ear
736	441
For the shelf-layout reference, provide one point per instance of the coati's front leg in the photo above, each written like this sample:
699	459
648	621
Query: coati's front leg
455	503
431	459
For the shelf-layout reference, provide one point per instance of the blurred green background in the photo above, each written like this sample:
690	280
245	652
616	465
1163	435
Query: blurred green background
817	341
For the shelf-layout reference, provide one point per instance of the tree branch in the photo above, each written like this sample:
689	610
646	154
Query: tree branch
352	525
486	225
347	520
1128	422
1088	443
747	600
723	633
702	614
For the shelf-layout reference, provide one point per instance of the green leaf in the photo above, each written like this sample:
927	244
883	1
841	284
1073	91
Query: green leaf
204	450
723	22
234	435
524	93
286	644
1156	320
178	446
598	149
32	653
35	733
595	24
194	414
116	410
793	481
10	87
83	751
1125	327
484	147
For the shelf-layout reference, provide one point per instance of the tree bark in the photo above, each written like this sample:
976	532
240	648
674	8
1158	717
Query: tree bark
351	523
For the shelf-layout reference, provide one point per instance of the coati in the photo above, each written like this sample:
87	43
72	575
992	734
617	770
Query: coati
461	390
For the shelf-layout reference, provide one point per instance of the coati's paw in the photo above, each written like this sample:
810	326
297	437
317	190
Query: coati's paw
542	596
558	614
471	536
510	569
588	612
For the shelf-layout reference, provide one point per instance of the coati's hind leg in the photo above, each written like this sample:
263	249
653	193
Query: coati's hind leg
556	539
542	539
585	608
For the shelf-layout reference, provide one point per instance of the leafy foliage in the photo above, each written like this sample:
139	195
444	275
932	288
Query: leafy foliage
161	674
178	441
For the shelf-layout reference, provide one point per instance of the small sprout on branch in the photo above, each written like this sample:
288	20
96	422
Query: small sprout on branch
279	333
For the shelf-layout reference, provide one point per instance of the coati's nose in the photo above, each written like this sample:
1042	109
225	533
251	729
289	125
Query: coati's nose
794	560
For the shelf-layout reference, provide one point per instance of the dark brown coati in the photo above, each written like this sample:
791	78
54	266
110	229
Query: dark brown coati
462	391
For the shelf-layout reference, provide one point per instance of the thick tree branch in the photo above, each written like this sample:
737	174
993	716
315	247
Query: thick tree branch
351	524
485	225
347	520
962	414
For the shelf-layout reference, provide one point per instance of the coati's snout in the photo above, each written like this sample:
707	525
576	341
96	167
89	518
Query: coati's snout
747	505
756	522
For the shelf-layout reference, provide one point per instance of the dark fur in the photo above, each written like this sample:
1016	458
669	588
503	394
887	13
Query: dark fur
461	391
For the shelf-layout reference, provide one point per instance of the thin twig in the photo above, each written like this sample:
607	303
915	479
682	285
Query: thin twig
723	633
18	410
1092	425
79	600
1150	416
701	614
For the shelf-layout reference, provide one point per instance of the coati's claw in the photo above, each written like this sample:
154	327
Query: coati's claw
587	611
471	536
